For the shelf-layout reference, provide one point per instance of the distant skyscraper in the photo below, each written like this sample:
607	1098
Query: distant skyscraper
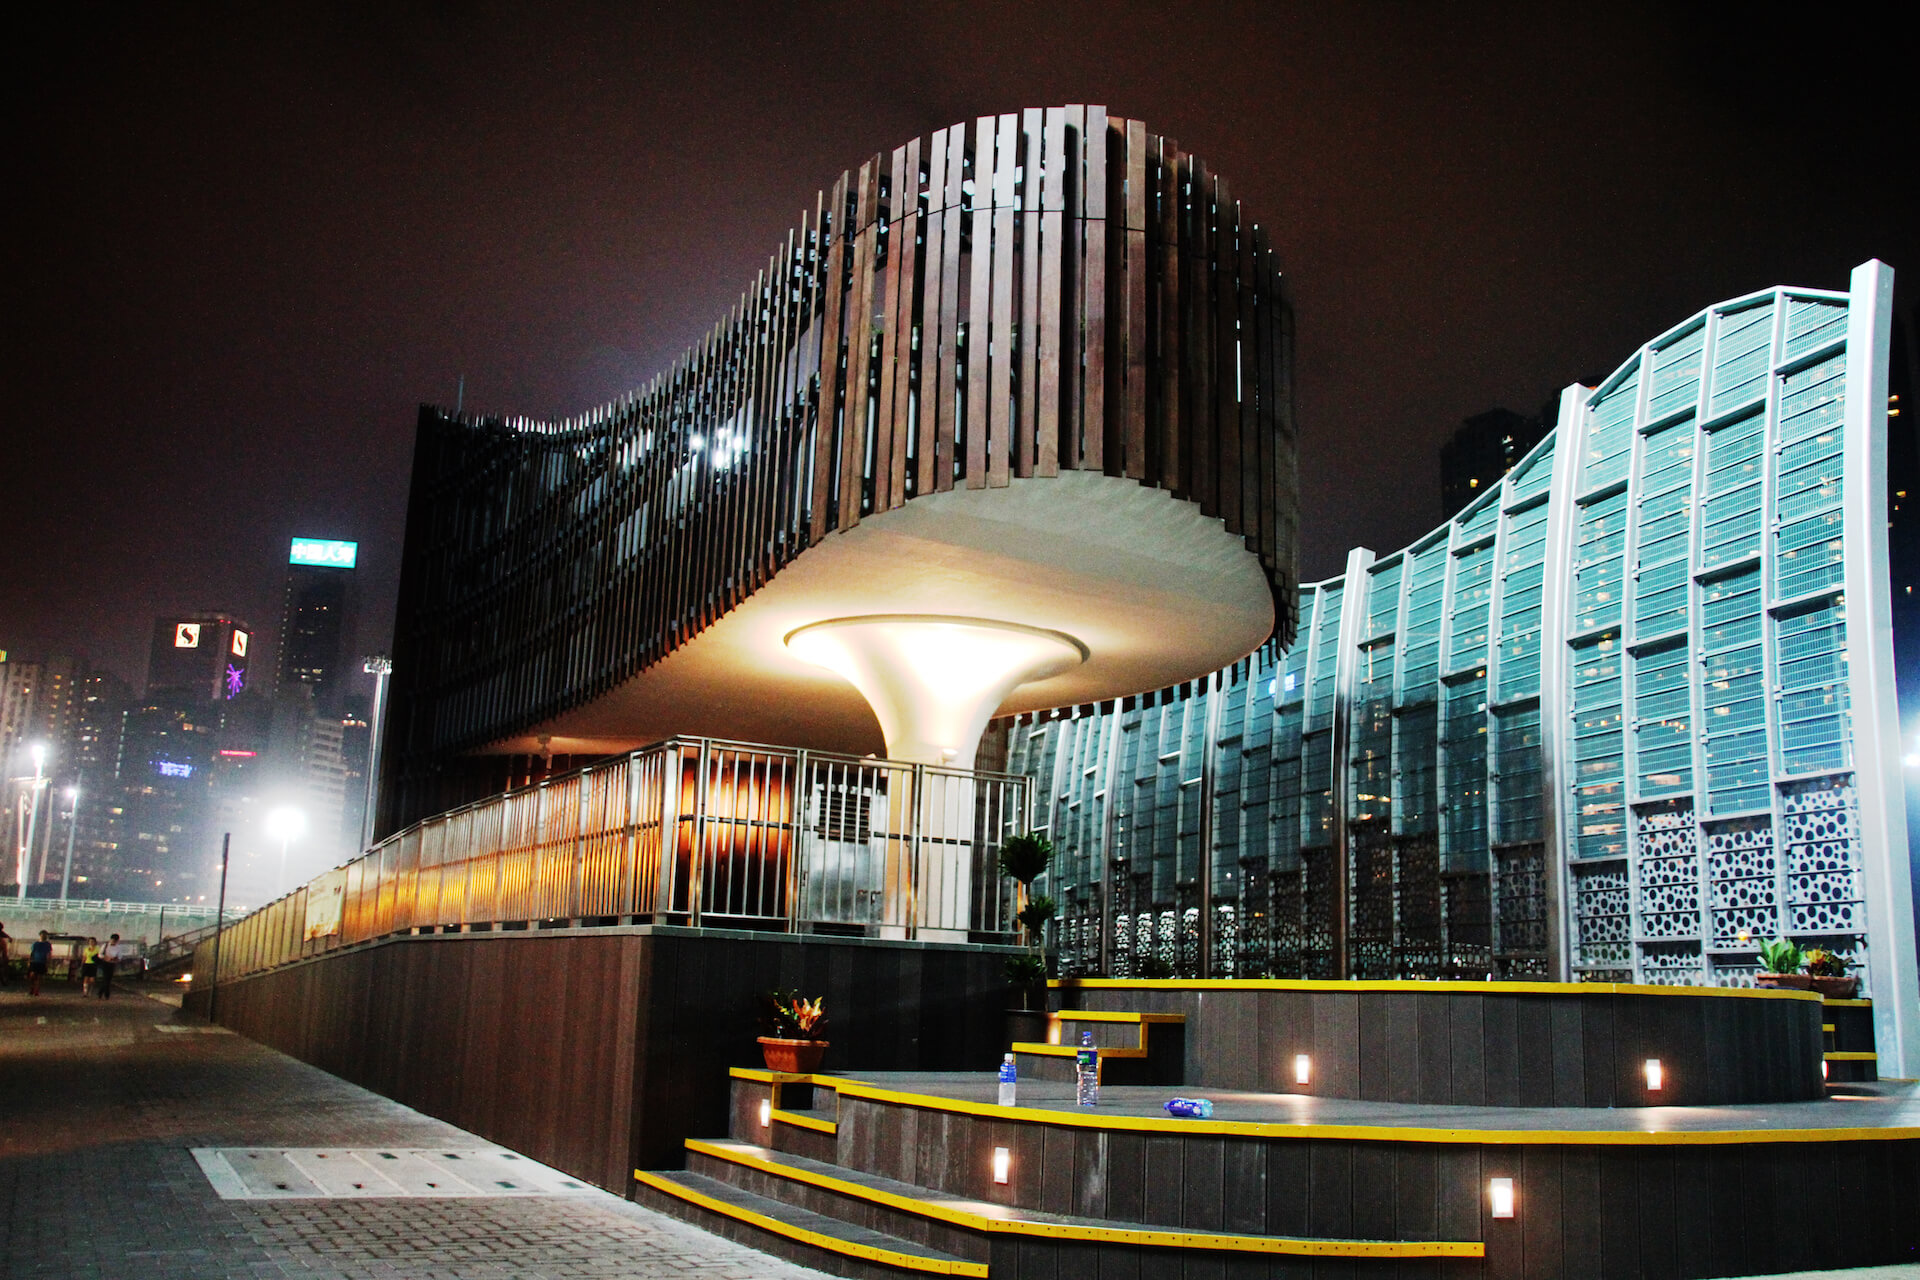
204	657
316	626
1486	447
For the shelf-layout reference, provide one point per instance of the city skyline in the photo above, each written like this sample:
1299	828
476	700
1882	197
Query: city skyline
261	247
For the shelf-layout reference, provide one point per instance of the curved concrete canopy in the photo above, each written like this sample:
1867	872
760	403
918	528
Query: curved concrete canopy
1156	591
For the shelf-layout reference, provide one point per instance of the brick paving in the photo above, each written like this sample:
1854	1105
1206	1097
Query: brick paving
98	1112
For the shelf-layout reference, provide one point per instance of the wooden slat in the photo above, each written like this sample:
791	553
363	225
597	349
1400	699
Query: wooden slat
934	276
947	440
1046	341
1087	420
831	302
1027	321
1164	444
980	304
902	270
1133	439
1000	350
859	330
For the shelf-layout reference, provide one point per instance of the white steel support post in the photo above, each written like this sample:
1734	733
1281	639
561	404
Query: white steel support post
1888	888
1556	729
1346	658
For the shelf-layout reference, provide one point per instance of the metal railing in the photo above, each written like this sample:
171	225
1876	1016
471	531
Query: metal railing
688	831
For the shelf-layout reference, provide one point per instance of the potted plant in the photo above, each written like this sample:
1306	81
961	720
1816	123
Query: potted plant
1827	972
793	1024
1780	962
1023	859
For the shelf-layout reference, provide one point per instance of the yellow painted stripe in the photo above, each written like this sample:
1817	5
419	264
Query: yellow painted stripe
1068	1050
1849	1055
1416	986
1850	1004
1827	1027
947	1211
1107	1015
819	1240
769	1077
799	1121
1370	1133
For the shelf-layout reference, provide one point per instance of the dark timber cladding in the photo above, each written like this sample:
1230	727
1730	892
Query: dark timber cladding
1049	290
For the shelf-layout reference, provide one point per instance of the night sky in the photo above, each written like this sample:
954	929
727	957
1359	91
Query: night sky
249	240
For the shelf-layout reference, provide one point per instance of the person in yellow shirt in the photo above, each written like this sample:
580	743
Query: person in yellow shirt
89	962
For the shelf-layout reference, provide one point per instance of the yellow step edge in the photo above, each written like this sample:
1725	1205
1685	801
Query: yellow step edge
1849	1055
799	1121
1417	986
1068	1050
819	1240
1851	1004
1827	1027
1369	1133
1104	1015
951	1213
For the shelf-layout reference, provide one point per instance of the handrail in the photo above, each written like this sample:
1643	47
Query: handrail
689	830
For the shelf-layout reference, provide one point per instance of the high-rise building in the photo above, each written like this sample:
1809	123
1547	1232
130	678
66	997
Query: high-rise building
204	657
1486	447
316	627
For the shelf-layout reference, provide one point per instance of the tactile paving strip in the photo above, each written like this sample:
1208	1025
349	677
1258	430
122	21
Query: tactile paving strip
337	1173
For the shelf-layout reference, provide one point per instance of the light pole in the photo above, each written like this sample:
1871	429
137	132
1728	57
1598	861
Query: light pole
39	750
73	820
286	824
379	666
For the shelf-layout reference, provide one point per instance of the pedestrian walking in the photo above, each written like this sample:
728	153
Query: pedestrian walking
39	956
109	957
89	965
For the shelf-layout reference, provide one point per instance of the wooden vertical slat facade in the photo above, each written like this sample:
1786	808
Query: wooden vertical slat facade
1054	289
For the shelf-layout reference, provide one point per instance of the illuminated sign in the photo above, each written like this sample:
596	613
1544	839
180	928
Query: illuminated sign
239	644
186	635
239	755
168	769
324	552
236	679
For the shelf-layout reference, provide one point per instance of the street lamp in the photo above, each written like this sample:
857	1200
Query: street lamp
25	863
379	666
285	824
73	820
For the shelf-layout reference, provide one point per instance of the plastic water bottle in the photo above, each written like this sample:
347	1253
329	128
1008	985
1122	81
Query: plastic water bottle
1086	1072
1008	1079
1190	1108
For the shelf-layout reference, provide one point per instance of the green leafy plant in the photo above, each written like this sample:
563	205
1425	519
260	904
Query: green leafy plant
1028	970
1034	916
1025	857
788	1015
1781	956
1822	963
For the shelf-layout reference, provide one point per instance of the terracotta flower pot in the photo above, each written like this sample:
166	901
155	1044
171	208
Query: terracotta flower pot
794	1056
1784	981
1842	988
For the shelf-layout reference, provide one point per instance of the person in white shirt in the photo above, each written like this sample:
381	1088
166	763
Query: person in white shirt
109	958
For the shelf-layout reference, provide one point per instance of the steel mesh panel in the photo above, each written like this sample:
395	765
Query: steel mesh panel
1599	800
1676	374
1468	903
1370	927
1742	870
1418	905
1610	435
1740	355
1730	511
1521	908
1602	915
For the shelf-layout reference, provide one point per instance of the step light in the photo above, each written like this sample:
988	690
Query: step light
1655	1075
1002	1161
766	1113
1500	1196
1302	1069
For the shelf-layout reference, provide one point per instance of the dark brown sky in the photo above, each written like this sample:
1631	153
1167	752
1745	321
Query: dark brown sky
248	240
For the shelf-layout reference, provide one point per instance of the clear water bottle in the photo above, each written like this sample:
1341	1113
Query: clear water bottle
1086	1072
1008	1079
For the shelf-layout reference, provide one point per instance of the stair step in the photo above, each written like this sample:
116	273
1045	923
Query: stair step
978	1215
804	1226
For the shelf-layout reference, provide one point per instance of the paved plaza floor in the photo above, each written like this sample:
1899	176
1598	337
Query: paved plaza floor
101	1110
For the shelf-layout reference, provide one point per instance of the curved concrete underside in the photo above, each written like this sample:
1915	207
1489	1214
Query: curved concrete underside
1158	593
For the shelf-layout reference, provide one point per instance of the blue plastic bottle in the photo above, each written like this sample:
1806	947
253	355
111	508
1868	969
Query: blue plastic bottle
1008	1079
1190	1108
1086	1072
